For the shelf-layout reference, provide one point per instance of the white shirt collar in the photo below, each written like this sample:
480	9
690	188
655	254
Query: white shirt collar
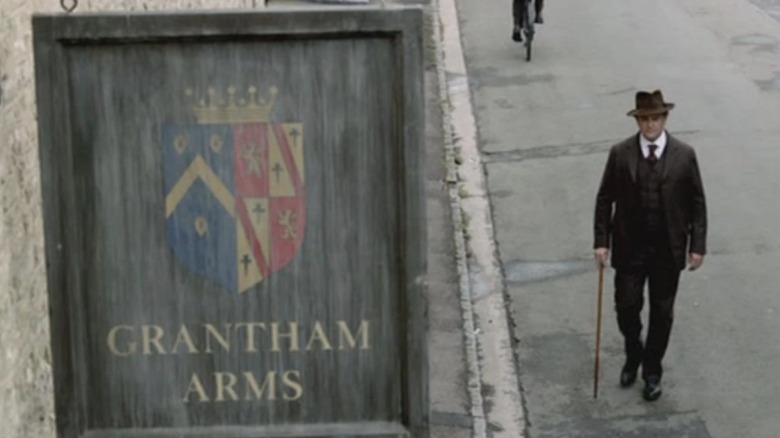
660	142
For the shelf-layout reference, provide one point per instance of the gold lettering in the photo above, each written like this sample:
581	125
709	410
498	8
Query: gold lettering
319	335
250	334
292	380
293	335
149	339
130	346
345	333
123	340
222	388
184	334
258	390
222	340
197	387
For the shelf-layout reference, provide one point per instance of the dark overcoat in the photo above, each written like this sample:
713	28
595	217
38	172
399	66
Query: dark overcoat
682	198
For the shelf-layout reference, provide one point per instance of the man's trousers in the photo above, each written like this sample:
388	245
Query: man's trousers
662	277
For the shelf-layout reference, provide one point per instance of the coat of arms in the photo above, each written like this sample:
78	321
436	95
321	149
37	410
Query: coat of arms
234	189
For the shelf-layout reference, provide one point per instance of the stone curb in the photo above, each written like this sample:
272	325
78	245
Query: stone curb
494	386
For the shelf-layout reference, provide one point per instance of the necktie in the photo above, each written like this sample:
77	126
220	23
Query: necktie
652	159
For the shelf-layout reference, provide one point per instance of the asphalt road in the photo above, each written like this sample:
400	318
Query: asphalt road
544	129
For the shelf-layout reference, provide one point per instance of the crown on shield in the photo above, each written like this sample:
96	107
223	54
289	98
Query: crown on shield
214	109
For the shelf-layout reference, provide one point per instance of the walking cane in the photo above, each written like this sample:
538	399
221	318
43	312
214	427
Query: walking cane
598	332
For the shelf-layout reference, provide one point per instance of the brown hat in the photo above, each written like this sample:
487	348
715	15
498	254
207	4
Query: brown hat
650	103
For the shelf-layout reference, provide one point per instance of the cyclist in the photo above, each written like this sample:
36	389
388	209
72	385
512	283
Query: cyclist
518	12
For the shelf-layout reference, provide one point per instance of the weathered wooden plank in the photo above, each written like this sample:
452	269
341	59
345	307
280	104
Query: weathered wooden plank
227	25
60	231
374	430
415	257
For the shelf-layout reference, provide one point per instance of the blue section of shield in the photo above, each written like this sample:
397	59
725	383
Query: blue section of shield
198	142
201	232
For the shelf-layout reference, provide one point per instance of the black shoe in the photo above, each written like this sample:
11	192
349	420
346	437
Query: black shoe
539	19
628	375
652	389
517	35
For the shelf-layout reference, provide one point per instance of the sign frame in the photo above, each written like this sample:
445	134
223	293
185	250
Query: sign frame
66	239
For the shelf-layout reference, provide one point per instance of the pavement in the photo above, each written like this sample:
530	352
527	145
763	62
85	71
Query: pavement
543	132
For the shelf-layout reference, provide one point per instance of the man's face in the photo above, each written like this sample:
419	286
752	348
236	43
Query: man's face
651	126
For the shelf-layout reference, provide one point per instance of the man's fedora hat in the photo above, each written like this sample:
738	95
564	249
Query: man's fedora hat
650	103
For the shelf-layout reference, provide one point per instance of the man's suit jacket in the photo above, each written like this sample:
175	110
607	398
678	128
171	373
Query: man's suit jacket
682	197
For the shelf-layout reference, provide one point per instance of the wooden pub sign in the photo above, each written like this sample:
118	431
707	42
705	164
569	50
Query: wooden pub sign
235	222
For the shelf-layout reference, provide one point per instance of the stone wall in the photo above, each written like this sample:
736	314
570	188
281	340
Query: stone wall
26	392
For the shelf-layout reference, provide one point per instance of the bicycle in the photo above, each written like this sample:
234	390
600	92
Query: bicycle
521	12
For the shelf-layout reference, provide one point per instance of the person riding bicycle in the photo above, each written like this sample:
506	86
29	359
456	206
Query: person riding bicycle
518	12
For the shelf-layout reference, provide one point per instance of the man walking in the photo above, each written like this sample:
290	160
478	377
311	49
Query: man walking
658	223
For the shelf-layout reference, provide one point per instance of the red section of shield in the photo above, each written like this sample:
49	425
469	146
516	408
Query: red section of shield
251	152
287	215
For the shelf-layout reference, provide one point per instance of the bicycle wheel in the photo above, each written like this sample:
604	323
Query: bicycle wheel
528	50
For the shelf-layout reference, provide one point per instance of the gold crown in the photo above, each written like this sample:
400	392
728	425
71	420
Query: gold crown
215	110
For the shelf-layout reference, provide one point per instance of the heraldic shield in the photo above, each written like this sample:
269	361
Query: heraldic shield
234	190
